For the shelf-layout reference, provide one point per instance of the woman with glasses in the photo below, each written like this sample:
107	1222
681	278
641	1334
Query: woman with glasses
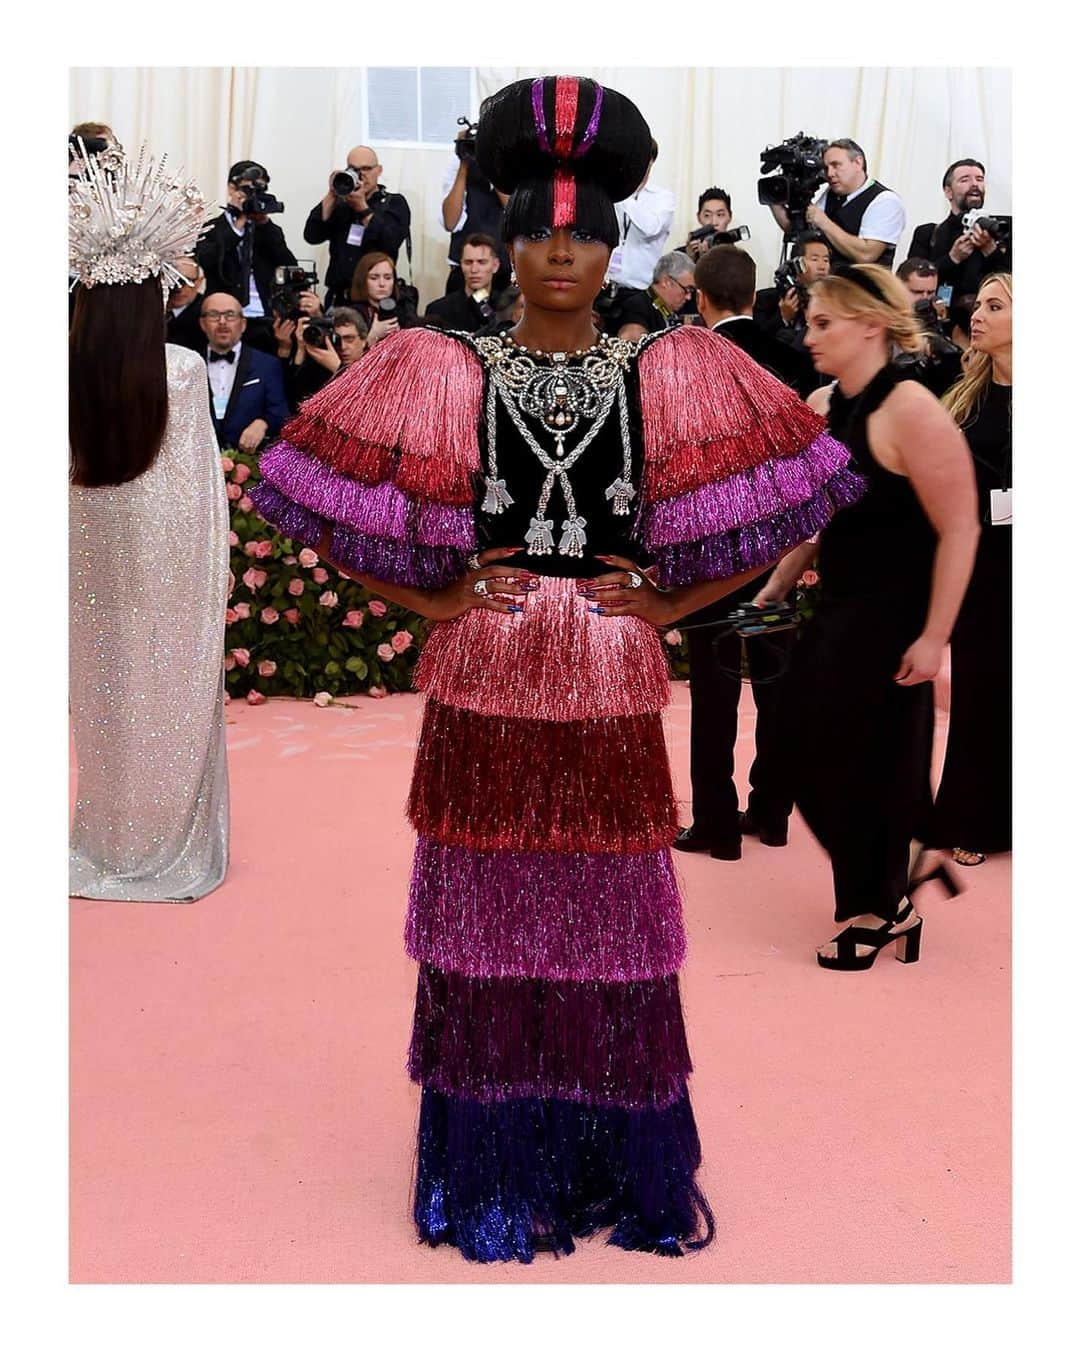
512	488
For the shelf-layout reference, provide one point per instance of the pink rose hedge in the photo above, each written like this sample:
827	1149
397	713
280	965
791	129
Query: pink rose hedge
296	627
289	633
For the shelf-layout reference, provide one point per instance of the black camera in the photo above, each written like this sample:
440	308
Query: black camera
465	148
795	170
288	283
713	236
998	228
346	181
257	199
320	331
387	307
790	274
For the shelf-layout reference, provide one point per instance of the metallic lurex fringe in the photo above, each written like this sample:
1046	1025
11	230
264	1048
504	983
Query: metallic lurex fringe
504	1181
555	916
592	1041
708	411
418	392
381	510
755	494
725	555
599	786
555	661
385	559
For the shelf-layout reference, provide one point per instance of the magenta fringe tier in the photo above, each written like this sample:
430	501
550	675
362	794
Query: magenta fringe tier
592	1041
556	662
553	916
382	510
756	494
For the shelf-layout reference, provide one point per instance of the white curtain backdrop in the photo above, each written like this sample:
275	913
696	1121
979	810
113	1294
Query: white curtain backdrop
711	125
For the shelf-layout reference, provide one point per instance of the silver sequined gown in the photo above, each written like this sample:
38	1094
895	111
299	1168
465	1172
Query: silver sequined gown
149	570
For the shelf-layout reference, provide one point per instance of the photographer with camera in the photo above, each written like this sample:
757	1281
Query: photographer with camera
185	306
471	308
357	216
351	332
315	358
666	303
243	249
247	389
780	309
471	206
939	367
385	303
713	216
967	245
861	219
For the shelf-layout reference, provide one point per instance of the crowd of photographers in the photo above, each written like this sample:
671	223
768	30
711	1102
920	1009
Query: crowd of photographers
254	310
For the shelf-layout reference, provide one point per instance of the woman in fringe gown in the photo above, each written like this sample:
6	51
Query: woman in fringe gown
543	910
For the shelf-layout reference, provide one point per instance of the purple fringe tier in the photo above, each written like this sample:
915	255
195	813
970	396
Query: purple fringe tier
753	495
505	1181
495	1040
549	916
393	560
756	545
382	511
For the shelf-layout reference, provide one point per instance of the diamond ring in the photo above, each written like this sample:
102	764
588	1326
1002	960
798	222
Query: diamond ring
635	580
480	587
472	562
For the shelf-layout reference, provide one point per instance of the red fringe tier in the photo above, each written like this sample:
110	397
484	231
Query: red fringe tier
597	786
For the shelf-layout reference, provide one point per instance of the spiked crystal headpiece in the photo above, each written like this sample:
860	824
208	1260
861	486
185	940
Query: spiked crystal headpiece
128	223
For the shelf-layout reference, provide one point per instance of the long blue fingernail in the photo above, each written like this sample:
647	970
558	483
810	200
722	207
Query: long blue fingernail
516	609
595	609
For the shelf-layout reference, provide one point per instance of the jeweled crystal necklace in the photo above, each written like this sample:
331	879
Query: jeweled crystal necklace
559	397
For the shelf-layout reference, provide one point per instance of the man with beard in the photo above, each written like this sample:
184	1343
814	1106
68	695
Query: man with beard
962	257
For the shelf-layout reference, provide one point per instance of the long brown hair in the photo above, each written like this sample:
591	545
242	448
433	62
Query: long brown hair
358	291
117	391
963	398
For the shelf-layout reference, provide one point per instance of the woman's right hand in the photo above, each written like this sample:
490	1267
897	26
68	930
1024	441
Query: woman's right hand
508	588
379	329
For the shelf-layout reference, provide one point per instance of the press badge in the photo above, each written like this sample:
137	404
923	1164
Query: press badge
614	267
356	234
221	405
1001	506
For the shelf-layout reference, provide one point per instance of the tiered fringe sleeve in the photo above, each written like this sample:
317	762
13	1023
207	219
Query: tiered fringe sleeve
387	455
737	468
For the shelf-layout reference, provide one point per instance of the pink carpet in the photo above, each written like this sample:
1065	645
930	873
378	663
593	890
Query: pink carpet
240	1111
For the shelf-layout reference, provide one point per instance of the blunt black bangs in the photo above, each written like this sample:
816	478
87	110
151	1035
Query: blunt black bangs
532	207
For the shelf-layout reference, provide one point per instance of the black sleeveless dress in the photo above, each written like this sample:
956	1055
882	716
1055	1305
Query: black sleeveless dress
860	743
973	809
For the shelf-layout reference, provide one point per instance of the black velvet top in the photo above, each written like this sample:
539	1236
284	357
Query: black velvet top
989	437
599	466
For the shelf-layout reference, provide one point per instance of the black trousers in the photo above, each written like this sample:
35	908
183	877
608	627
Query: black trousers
715	689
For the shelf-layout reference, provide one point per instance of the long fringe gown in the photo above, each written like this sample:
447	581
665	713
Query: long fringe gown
544	911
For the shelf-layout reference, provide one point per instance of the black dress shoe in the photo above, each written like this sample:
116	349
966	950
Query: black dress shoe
728	849
691	841
775	836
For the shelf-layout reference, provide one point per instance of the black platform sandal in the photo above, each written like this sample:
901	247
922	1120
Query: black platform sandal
908	943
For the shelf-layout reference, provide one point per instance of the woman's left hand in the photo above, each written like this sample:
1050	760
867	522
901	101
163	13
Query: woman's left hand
921	661
613	593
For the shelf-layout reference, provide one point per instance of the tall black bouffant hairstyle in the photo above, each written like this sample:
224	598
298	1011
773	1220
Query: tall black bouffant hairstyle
566	149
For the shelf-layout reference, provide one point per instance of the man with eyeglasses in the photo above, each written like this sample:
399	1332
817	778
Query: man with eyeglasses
363	220
668	302
247	387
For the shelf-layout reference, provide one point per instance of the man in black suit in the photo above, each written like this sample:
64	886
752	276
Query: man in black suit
185	306
470	309
962	257
247	388
242	251
367	220
725	279
783	315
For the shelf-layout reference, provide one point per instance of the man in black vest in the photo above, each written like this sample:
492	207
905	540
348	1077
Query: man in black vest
862	220
725	278
962	257
471	206
369	219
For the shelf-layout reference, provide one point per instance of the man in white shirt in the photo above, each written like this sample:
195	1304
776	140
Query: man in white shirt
861	219
645	221
470	205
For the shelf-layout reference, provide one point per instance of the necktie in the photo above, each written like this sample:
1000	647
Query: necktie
229	356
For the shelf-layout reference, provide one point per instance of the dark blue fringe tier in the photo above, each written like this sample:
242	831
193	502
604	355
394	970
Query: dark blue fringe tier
503	1181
